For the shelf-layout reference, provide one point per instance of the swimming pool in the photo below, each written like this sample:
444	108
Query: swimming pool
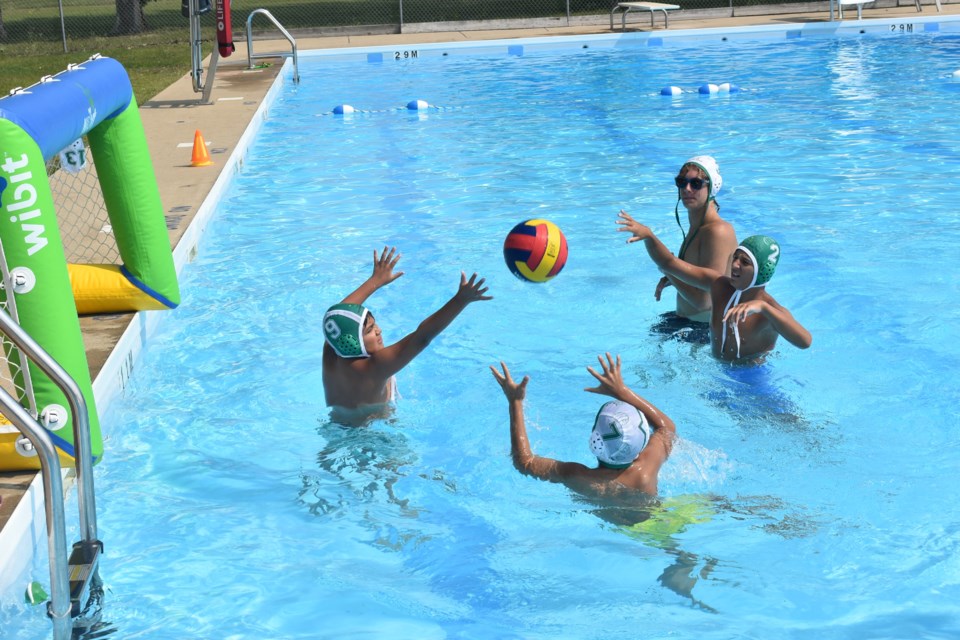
230	507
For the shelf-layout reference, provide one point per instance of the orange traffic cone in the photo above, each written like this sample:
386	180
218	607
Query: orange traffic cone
200	156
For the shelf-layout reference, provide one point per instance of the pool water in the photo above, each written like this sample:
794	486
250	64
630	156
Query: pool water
816	495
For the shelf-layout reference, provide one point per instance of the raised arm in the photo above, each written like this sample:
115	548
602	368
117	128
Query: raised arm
392	359
699	277
523	457
382	275
612	384
645	470
780	319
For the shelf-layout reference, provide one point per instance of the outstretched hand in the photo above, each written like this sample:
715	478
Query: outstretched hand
511	389
611	380
739	313
383	266
628	224
472	290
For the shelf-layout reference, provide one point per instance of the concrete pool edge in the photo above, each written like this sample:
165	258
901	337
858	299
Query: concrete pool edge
888	26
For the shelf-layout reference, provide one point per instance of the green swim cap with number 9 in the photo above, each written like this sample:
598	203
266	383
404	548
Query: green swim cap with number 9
343	329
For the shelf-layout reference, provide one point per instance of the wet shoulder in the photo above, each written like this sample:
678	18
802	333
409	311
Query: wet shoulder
716	237
719	232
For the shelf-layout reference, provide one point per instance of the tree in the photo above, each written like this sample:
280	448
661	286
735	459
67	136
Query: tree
130	18
3	32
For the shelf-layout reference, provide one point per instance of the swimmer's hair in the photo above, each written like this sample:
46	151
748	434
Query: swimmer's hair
343	329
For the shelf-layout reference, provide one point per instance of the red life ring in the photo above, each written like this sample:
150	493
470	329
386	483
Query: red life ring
224	31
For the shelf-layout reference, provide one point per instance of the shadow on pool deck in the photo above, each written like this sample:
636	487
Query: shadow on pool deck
171	118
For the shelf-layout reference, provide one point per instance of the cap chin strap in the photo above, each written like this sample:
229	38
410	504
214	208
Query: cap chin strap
735	300
607	465
676	214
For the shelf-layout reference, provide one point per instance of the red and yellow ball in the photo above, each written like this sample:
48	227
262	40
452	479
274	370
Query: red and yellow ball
535	250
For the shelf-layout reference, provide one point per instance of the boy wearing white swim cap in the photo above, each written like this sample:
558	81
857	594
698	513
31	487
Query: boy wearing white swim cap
708	242
358	368
746	320
631	440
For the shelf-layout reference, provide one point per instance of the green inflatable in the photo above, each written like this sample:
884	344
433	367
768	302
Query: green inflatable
92	99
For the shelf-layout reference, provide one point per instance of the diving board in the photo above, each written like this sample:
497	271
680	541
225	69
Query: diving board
652	7
859	3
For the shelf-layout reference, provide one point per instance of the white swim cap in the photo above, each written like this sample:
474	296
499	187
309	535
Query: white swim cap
712	169
619	434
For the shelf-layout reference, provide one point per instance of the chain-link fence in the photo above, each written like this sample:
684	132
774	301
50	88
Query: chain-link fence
87	237
58	22
81	213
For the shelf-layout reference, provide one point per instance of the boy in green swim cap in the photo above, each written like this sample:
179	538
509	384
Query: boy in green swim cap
358	368
631	439
746	320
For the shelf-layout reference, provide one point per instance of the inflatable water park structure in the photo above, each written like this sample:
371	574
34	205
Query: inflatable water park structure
44	294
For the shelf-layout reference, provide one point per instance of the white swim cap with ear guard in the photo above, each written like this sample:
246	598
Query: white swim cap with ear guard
619	434
712	169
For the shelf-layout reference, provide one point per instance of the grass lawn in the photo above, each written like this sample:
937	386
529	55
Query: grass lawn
151	67
159	56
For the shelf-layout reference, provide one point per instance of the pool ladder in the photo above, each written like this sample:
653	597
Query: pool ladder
286	34
73	578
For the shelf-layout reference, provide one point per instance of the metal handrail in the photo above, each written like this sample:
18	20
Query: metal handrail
196	47
286	34
60	607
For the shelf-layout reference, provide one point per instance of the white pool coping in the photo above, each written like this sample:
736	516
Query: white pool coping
921	24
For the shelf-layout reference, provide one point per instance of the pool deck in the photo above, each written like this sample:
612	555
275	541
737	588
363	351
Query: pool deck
171	118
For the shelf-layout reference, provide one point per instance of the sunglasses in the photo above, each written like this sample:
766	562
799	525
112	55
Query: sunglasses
695	183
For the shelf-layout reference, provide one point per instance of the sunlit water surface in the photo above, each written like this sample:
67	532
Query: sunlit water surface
231	507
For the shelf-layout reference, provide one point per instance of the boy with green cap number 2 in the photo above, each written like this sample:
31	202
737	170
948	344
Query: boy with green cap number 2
745	320
358	369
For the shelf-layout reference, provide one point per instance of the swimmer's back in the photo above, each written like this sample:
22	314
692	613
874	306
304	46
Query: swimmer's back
348	383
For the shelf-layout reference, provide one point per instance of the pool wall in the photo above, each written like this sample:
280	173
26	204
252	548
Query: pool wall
673	37
22	541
